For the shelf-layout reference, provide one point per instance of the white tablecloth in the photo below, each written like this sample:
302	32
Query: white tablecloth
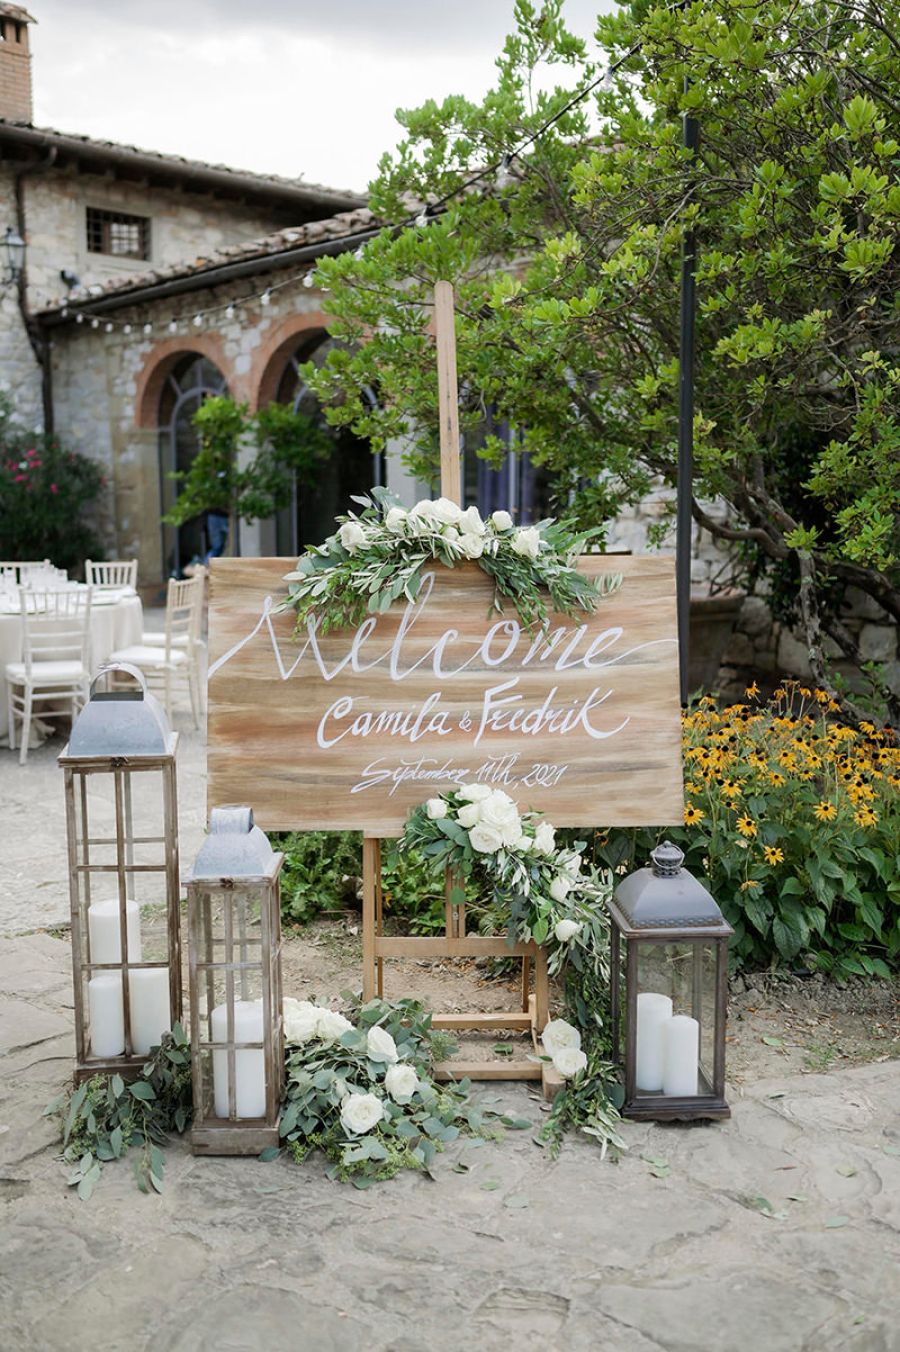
112	626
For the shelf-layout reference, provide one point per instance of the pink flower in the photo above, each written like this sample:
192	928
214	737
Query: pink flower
53	488
18	478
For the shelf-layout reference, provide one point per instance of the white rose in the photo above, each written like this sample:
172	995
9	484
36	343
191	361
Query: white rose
401	1082
436	808
360	1113
443	511
559	1034
499	810
301	1021
470	523
527	542
566	930
501	520
452	536
569	1061
544	838
332	1026
472	546
352	536
395	521
560	888
469	816
485	839
380	1046
474	793
513	836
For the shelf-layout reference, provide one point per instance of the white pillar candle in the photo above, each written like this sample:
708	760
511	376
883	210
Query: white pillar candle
148	991
107	1013
652	1011
106	933
681	1055
249	1066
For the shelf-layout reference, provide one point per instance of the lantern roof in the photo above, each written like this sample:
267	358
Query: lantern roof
666	897
124	722
234	848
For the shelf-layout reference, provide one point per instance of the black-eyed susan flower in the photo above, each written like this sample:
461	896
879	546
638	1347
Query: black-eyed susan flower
776	779
773	854
693	815
752	691
747	827
750	885
866	816
825	812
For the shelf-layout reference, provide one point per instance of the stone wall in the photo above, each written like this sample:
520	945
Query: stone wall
20	375
107	387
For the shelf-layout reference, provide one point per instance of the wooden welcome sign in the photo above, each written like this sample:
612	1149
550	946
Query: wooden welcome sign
350	731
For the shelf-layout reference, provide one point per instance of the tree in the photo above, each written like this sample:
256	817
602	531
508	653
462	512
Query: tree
284	443
566	278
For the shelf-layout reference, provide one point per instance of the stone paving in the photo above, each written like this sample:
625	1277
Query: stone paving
669	1249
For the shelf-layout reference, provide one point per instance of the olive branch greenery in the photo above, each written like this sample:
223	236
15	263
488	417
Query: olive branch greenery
380	555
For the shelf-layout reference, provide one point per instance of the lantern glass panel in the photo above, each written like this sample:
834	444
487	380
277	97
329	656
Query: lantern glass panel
236	964
685	973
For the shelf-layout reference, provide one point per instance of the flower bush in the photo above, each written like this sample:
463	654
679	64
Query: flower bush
44	493
361	1090
794	819
381	554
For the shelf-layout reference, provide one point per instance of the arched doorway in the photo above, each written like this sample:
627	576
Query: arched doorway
349	469
191	379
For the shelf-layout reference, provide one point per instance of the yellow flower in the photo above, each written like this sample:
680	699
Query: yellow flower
773	854
731	789
746	826
805	691
775	778
787	759
821	696
693	815
749	885
866	816
825	812
867	727
752	691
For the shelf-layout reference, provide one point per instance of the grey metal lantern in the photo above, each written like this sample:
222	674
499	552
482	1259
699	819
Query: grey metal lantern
122	832
669	1026
237	1038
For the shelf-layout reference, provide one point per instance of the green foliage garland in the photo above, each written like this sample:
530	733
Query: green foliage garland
380	555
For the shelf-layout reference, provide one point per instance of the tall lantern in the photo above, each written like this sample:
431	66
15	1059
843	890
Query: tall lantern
237	1038
122	830
669	1029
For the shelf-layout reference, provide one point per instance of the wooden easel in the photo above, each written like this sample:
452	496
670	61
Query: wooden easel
455	943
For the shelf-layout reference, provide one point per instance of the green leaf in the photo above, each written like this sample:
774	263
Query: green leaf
271	1152
142	1090
836	1222
516	1201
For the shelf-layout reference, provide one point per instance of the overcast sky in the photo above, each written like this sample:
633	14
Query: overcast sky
297	87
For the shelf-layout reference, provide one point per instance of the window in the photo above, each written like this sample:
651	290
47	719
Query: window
114	232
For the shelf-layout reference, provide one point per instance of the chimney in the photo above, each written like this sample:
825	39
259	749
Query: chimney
15	63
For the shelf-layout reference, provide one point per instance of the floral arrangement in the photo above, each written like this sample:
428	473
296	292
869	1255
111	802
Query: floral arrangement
531	889
380	555
794	817
361	1090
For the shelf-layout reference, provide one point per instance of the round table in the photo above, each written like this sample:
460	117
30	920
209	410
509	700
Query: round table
117	621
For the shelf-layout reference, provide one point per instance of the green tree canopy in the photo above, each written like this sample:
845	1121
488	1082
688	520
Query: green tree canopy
566	278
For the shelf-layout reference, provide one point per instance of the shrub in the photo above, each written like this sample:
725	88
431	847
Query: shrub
793	818
44	491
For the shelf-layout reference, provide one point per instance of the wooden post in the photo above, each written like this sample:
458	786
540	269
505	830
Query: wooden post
448	396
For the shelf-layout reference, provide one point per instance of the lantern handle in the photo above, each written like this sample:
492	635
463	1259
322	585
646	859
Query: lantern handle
230	820
120	666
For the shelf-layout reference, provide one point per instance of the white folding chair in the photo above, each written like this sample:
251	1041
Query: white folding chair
111	573
156	638
175	659
21	570
56	659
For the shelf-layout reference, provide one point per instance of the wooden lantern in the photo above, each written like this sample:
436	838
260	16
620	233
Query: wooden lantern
237	1038
669	1028
120	860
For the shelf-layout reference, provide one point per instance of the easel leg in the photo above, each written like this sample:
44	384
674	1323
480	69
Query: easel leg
371	883
526	982
541	991
379	923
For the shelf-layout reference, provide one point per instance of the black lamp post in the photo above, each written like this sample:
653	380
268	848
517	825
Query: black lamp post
685	489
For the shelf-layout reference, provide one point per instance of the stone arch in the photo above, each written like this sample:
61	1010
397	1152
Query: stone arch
279	346
163	358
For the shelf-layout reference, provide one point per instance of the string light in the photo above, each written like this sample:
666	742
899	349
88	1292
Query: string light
148	329
108	328
173	326
422	219
309	280
79	318
197	321
265	297
127	328
95	323
229	312
504	178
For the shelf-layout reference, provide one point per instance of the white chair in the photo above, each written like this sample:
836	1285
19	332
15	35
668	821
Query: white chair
56	659
156	637
176	658
20	571
111	573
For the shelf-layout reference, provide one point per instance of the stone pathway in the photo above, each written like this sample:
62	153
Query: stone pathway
670	1249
